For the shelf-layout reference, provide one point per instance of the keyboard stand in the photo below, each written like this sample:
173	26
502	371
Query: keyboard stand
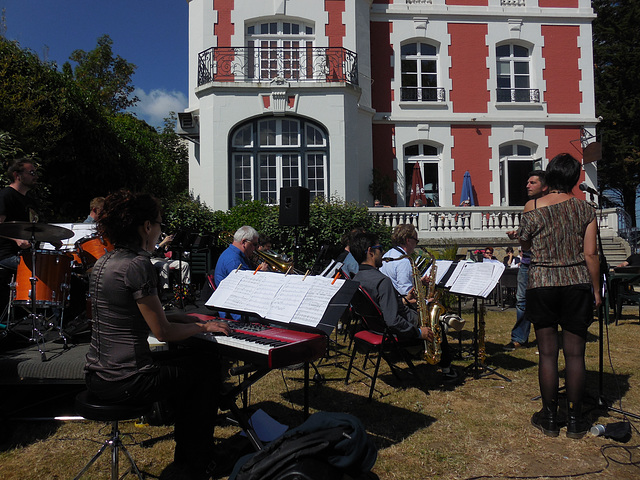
253	373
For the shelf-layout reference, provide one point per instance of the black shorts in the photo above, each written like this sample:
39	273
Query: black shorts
570	306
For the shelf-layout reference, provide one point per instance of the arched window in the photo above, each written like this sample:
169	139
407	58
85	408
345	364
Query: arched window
429	158
270	153
516	162
419	65
280	49
513	63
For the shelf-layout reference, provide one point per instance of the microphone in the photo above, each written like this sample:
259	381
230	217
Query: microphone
586	188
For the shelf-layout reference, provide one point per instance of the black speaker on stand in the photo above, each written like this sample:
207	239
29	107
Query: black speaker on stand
294	211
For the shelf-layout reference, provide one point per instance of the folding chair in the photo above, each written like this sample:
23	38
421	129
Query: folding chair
377	338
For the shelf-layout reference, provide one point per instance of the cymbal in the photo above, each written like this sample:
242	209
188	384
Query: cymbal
40	232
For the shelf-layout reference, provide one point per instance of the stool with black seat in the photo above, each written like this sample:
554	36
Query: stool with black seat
377	338
92	408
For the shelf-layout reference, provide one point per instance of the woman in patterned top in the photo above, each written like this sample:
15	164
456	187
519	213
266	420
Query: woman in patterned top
563	289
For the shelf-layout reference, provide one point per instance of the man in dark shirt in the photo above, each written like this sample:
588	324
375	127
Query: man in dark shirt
16	206
401	319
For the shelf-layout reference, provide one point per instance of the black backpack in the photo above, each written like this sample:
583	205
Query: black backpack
327	445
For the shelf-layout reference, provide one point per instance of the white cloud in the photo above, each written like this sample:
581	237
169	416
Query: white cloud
155	106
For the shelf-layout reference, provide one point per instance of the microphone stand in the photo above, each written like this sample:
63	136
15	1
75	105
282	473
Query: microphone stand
603	317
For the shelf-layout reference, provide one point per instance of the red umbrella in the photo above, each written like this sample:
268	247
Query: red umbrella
417	187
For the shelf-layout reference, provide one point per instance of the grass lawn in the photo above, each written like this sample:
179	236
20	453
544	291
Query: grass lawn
479	427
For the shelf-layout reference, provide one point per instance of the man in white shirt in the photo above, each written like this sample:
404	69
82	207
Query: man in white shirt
405	239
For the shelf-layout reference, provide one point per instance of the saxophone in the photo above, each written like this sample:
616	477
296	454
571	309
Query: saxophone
430	314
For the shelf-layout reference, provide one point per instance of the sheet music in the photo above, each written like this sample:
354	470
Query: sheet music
224	290
273	296
442	266
316	300
477	279
284	306
456	273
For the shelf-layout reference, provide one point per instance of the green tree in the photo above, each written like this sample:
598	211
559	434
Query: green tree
84	150
616	37
107	78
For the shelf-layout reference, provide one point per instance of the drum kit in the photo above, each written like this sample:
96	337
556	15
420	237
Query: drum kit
41	285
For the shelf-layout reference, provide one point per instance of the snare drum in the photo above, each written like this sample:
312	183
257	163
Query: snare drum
91	248
53	271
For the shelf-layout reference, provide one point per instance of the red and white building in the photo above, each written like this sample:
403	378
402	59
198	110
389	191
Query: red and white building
319	93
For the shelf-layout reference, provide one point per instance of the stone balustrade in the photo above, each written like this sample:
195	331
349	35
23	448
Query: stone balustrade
469	223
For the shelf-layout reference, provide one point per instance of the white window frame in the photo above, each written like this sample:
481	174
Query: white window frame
418	58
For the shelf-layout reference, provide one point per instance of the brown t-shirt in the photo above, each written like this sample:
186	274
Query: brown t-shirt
119	346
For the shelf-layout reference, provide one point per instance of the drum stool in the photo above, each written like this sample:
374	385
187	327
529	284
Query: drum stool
92	408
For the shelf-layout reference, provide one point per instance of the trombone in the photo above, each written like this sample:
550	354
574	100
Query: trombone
276	261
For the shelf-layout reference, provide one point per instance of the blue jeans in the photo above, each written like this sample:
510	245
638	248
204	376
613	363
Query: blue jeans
520	331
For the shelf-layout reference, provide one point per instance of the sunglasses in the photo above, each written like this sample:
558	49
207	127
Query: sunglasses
376	247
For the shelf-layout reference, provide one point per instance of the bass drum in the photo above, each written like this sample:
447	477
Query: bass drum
91	248
52	273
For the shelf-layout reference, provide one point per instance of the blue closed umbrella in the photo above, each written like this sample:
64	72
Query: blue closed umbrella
467	190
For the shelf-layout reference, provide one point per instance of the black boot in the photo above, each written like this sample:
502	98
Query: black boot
577	425
546	420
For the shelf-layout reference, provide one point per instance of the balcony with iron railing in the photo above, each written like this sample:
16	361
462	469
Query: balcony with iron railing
524	95
277	64
422	94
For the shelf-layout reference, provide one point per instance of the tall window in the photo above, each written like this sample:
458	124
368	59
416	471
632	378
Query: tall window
279	49
516	162
428	158
514	78
419	65
267	154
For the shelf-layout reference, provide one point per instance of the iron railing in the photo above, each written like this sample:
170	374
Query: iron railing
279	64
529	95
422	94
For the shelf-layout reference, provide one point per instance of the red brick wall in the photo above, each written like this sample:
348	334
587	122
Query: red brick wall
335	29
381	69
558	3
471	152
561	72
481	3
565	139
224	28
469	72
383	152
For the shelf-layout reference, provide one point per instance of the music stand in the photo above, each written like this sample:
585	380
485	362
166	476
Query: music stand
476	280
478	365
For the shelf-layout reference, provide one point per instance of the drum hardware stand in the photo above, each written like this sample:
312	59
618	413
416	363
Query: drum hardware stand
33	315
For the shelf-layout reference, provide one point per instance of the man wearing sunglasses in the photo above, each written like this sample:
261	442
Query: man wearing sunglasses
401	319
405	241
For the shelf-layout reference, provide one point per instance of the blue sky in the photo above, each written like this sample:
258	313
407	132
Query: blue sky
151	34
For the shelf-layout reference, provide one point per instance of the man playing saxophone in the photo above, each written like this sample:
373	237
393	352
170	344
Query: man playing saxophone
401	319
